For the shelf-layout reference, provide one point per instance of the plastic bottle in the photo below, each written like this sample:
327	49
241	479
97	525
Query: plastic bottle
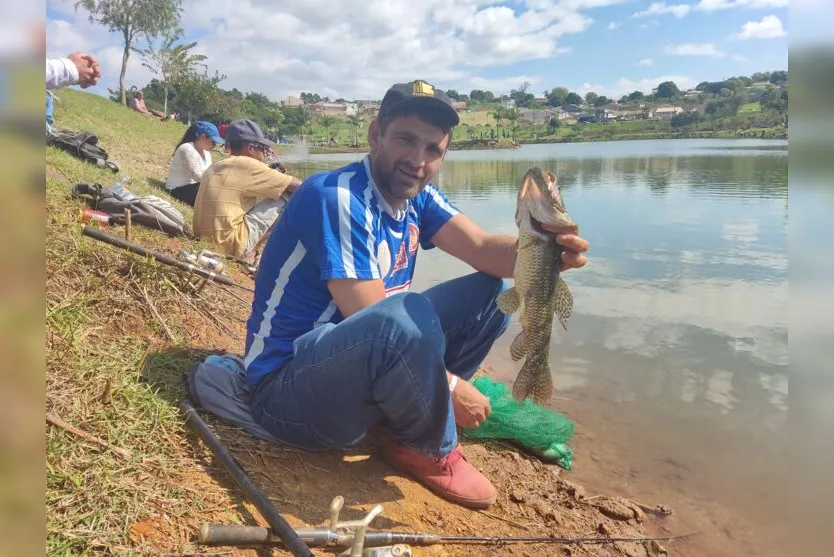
119	189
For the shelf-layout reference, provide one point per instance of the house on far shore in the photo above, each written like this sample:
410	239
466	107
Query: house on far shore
292	101
461	106
508	103
369	109
327	108
573	108
666	112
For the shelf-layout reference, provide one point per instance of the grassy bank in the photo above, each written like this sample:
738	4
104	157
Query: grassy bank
578	133
115	327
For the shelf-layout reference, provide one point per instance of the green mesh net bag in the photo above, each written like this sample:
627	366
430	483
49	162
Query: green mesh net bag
539	430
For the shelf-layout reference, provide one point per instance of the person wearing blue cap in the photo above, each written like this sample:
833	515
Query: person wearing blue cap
192	158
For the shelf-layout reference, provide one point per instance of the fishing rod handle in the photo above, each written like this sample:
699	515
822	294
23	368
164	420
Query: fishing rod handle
237	534
240	535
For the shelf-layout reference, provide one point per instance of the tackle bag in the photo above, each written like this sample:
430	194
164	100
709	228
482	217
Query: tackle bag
150	211
83	145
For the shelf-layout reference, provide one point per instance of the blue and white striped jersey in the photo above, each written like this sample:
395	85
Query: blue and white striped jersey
336	225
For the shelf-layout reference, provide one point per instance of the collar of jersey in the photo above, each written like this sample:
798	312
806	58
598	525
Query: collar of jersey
397	214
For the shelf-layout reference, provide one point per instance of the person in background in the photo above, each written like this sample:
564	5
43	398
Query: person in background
240	197
192	158
222	128
138	104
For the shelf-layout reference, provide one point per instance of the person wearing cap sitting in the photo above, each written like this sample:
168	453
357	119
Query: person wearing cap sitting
192	158
240	197
335	344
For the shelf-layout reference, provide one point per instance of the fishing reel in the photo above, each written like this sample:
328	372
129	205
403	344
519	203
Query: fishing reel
353	531
206	260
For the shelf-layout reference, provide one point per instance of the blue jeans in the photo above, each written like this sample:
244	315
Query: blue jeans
386	363
50	108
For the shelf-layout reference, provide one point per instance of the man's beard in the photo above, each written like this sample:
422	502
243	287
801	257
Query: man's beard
394	184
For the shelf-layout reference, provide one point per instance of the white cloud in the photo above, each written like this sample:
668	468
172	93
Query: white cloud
357	50
646	62
657	8
707	6
716	5
614	25
770	27
693	49
624	86
64	38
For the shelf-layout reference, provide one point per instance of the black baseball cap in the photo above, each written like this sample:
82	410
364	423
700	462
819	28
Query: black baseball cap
416	93
246	131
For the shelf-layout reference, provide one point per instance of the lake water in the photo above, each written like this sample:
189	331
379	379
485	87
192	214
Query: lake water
675	363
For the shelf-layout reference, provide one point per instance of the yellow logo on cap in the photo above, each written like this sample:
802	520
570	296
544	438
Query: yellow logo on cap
423	89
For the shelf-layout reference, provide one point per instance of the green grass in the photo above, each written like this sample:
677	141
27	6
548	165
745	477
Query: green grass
750	107
111	369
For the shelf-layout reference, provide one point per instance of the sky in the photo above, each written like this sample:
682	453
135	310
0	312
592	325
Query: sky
356	50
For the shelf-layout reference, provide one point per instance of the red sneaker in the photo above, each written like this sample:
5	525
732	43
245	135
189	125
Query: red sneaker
451	477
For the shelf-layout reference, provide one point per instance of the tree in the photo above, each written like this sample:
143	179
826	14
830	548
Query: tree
779	77
480	95
327	122
591	98
310	98
356	121
636	96
498	114
198	95
602	101
133	19
553	125
172	62
454	95
557	95
295	118
667	90
512	115
573	98
774	99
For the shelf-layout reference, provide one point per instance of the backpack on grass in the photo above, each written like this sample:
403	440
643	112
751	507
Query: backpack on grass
83	145
150	211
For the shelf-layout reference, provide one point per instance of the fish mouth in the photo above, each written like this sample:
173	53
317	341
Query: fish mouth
537	226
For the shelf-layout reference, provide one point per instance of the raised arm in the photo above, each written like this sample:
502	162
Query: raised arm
495	254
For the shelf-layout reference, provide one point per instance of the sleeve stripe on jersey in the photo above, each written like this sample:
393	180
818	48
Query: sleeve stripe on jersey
374	264
345	236
265	328
440	201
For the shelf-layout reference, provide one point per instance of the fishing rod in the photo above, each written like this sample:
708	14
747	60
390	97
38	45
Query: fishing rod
161	257
239	535
283	531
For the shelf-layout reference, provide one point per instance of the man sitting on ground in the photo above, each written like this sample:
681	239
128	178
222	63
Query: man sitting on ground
334	343
240	197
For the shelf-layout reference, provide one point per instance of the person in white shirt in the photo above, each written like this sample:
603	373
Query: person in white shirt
192	158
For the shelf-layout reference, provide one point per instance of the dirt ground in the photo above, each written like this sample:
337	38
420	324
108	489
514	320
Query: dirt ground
533	500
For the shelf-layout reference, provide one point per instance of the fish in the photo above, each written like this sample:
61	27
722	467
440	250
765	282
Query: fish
539	291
